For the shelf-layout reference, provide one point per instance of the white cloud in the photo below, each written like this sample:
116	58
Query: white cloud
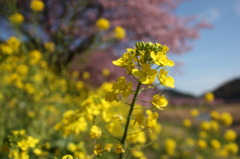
237	7
211	14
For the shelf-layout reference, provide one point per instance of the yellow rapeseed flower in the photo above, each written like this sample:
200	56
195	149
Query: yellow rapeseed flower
105	72
37	5
120	87
187	123
38	152
146	75
138	154
215	115
215	144
35	57
194	112
67	157
209	97
119	32
226	118
232	148
22	69
86	75
16	18
126	61
95	132
14	43
201	143
170	146
159	101
161	59
6	49
151	119
79	85
222	153
205	125
102	24
230	135
165	80
72	147
49	46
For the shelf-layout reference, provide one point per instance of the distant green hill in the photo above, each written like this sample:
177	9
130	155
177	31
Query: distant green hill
171	94
230	91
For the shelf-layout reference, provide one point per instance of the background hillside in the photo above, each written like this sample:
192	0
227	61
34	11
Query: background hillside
229	92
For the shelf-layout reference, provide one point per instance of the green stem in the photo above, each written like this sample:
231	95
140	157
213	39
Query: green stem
129	117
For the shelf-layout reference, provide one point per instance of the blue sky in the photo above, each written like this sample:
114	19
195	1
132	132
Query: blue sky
215	57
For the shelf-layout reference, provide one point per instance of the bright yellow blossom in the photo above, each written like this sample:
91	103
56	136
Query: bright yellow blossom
187	123
72	147
194	112
205	125
159	101
209	97
201	143
95	132
120	87
165	80
215	115
14	43
16	18
37	5
226	118
146	75
67	157
138	154
161	59
151	118
102	24
125	61
22	69
38	152
230	135
170	146
35	57
215	144
232	148
6	49
119	32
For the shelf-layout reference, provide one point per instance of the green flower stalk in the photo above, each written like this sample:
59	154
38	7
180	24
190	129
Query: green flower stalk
139	63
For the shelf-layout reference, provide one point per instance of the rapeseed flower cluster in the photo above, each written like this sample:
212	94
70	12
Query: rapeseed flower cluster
139	63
